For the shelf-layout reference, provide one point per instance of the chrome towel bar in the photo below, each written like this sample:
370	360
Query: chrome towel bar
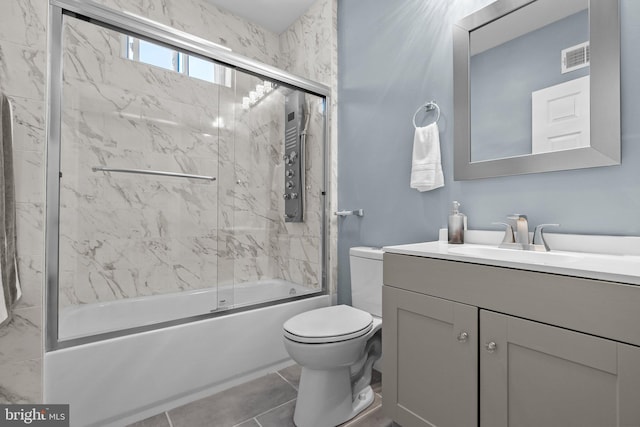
152	172
357	212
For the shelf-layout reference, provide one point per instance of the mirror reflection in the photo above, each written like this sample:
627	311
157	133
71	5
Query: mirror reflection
529	81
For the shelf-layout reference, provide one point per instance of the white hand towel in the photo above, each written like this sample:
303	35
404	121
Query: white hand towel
426	166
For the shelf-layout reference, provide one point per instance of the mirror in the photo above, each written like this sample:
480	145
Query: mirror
525	73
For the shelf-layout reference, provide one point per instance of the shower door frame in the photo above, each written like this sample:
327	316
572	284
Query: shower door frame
171	37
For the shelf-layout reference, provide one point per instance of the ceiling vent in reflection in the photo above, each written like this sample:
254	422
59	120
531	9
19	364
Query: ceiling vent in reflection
575	57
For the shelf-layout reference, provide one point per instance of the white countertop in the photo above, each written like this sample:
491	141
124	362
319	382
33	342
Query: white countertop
615	267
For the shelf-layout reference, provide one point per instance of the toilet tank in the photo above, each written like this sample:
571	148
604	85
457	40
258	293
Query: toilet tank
366	279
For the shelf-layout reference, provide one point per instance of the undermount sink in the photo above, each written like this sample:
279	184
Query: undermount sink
516	255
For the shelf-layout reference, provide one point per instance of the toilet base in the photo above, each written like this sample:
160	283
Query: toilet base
325	398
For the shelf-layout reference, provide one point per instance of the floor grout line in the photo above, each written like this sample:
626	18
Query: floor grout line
255	418
275	407
168	419
350	423
287	381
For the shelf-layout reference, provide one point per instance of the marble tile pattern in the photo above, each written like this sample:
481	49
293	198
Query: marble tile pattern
22	79
130	235
125	236
309	48
203	19
261	244
23	26
306	46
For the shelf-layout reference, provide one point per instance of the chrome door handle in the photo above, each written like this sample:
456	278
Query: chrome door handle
491	346
463	336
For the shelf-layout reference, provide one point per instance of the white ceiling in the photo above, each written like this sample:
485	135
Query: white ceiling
274	15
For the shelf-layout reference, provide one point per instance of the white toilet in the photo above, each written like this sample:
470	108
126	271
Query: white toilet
337	347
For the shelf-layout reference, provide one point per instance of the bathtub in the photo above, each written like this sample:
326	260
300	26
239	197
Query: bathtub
121	380
90	319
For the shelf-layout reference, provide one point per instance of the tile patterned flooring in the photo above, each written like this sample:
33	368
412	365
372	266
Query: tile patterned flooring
267	401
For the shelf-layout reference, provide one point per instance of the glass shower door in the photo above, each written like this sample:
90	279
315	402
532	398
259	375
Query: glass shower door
271	238
140	147
187	188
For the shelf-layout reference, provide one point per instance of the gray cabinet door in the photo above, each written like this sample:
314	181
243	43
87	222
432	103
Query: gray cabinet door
430	370
532	374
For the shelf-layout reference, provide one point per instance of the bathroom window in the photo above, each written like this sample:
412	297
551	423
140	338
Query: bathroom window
154	54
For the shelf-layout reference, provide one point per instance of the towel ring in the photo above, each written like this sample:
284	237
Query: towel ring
429	106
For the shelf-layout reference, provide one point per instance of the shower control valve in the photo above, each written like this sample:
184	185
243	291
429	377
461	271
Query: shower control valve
290	173
286	196
290	185
294	195
293	156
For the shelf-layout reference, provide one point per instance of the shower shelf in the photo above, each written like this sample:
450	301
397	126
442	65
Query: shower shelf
152	172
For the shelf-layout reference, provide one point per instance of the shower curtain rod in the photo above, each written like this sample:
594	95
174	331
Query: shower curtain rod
152	172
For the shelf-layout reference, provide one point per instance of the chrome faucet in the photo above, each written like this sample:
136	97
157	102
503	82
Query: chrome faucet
522	229
520	239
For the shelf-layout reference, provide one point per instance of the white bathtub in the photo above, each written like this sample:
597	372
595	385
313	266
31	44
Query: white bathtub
90	319
121	380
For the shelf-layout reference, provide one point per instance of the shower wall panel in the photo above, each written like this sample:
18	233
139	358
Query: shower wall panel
126	235
259	244
309	48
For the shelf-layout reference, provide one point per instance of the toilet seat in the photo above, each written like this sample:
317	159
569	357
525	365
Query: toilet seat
328	324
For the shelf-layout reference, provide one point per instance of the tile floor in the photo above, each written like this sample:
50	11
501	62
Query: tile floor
267	401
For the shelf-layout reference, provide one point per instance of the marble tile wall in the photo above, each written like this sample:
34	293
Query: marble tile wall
309	48
22	77
262	244
203	19
126	114
126	235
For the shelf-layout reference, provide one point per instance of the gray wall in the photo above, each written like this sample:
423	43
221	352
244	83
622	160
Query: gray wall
396	55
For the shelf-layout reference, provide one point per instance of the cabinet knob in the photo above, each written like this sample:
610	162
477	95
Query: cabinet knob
463	336
491	346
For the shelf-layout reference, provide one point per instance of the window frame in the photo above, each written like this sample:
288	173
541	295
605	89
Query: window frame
222	74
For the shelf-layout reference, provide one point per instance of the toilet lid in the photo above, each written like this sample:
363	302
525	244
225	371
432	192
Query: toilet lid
328	324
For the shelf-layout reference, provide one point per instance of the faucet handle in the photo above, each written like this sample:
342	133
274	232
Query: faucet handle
508	232
538	237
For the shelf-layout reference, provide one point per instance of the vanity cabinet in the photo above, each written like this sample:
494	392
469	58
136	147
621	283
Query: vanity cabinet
539	349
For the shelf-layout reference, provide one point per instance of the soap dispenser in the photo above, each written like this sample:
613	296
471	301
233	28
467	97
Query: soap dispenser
457	224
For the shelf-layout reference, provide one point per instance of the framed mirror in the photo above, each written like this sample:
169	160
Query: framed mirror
536	87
